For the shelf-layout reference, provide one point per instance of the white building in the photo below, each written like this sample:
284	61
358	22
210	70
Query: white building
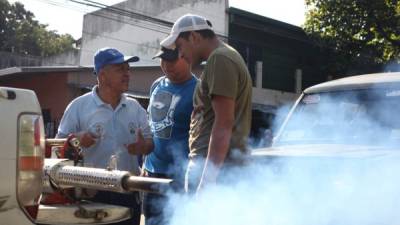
136	27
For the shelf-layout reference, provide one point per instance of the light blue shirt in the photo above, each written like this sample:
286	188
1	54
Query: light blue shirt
115	128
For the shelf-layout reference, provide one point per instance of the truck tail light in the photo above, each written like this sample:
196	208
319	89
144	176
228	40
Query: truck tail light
31	142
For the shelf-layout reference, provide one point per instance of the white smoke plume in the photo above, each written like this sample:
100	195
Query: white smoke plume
352	179
299	192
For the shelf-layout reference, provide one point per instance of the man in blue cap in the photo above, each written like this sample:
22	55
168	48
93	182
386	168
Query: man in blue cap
112	128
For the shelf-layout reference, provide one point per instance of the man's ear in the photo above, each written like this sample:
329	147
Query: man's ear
100	76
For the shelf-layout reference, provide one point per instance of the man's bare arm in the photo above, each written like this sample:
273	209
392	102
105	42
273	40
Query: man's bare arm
224	110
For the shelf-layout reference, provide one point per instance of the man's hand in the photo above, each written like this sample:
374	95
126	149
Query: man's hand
86	139
210	179
141	146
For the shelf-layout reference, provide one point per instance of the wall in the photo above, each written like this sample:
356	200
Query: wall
68	58
51	89
135	35
281	47
272	97
140	81
8	59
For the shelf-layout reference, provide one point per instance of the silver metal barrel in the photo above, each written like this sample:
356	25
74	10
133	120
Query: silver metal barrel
91	178
63	175
147	184
49	166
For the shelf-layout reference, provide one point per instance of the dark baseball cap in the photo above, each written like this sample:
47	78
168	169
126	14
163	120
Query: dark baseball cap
108	56
167	54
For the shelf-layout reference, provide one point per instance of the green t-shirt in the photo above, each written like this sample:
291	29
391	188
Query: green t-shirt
225	74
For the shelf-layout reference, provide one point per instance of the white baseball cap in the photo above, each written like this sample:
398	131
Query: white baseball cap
188	22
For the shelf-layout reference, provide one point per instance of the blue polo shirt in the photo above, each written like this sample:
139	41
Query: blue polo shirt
169	112
114	129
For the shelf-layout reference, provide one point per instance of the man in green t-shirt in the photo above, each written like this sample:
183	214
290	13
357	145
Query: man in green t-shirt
221	117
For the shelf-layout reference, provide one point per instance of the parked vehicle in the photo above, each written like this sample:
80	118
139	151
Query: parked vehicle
21	156
356	110
342	120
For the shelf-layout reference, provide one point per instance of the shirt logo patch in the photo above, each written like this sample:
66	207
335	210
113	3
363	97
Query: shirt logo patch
162	111
132	128
97	129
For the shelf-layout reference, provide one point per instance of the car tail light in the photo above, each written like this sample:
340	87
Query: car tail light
31	142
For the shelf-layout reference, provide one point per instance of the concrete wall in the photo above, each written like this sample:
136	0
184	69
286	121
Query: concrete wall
8	59
68	58
134	35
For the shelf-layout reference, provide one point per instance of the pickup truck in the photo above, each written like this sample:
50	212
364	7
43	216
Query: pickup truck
21	156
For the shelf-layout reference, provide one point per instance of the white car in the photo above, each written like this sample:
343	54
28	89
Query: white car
336	158
358	110
349	122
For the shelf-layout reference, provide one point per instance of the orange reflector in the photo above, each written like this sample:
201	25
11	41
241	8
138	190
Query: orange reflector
36	132
57	198
31	163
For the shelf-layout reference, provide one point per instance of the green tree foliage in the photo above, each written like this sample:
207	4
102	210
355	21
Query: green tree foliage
21	33
361	35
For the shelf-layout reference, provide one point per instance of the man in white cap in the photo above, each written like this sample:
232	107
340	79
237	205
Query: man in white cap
111	126
221	118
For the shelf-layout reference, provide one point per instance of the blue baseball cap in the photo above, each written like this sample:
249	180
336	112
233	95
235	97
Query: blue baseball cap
108	56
